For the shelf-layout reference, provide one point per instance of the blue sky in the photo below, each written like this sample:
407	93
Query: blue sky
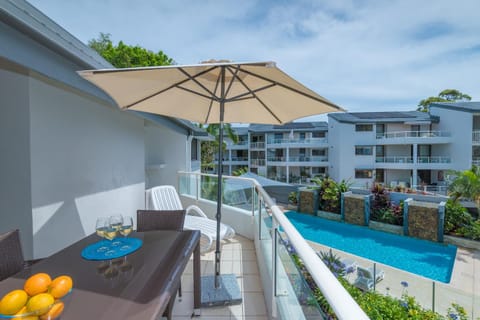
363	55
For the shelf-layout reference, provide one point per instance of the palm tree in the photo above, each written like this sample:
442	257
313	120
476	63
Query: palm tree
466	185
210	148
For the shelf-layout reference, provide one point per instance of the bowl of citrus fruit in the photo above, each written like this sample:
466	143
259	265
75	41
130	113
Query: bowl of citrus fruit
41	298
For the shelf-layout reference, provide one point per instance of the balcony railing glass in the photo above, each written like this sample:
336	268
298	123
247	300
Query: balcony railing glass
273	237
298	141
476	136
413	134
257	145
394	159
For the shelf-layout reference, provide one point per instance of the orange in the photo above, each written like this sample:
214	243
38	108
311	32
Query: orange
60	286
54	312
13	302
38	283
40	303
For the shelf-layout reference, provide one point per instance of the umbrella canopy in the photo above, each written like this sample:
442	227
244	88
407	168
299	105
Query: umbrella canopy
253	92
215	92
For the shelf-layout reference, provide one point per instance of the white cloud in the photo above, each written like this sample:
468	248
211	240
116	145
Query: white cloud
364	55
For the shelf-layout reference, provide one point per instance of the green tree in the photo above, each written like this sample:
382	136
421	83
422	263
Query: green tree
210	148
447	95
127	56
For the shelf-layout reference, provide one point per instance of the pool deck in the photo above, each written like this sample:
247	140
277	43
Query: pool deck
464	287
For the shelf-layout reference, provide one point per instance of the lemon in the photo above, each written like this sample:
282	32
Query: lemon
40	303
13	302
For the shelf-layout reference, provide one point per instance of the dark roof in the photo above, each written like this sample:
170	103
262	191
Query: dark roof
461	106
383	117
291	126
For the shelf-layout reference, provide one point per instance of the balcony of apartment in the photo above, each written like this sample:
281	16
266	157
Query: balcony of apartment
476	137
255	163
240	145
271	285
409	162
298	143
476	162
411	137
257	145
236	161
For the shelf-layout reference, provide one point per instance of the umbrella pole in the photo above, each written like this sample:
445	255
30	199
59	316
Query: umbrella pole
220	290
219	201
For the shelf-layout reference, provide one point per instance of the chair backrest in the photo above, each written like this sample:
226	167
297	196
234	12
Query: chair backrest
148	220
364	273
163	198
11	255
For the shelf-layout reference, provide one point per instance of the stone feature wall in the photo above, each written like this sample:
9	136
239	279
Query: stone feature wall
354	209
308	201
423	220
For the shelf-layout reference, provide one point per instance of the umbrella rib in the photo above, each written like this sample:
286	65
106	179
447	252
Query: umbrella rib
242	96
292	89
193	78
166	89
259	100
211	101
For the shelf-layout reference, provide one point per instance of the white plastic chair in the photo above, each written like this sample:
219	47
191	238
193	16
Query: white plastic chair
166	198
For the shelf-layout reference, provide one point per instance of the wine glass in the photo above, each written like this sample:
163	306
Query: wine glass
100	227
126	229
115	224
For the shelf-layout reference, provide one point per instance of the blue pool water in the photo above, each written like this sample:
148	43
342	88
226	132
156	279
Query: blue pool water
425	258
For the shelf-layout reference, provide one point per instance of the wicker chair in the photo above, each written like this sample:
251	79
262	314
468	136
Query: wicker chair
11	252
149	220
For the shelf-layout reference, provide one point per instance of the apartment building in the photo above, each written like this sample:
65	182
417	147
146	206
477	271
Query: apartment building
291	153
408	149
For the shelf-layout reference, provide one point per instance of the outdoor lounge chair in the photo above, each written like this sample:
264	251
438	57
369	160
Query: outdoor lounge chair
166	198
365	278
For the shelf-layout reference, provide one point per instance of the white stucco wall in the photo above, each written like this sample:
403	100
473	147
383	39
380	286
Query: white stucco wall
166	154
460	125
15	195
87	160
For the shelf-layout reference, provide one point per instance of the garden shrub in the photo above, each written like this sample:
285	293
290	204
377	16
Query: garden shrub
383	210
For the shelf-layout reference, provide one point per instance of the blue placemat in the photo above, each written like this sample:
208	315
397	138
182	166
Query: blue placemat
106	250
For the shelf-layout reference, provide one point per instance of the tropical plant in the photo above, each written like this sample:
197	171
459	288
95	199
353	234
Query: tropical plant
210	148
329	193
127	56
447	95
239	171
383	210
332	261
293	197
466	184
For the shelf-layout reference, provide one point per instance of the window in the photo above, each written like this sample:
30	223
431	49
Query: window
380	151
363	127
363	173
194	150
380	175
380	130
363	150
317	134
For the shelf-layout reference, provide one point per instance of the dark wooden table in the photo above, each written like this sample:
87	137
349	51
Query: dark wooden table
140	292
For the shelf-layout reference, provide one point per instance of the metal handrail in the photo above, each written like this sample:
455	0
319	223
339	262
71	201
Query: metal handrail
342	303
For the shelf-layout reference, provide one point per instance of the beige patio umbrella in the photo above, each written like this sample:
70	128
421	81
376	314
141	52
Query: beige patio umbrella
213	92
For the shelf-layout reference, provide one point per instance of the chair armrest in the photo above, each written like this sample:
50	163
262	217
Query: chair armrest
206	243
196	210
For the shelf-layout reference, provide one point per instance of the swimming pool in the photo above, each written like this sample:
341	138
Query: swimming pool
425	258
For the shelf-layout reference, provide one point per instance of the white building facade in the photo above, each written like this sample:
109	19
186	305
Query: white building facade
398	149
